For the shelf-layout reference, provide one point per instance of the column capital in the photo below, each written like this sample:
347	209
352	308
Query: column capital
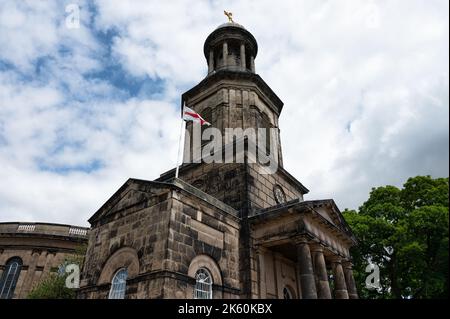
347	264
299	240
335	259
260	248
316	247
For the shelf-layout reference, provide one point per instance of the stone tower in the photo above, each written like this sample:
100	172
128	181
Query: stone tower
225	229
233	96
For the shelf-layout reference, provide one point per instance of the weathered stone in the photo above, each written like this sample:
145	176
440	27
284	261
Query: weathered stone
231	219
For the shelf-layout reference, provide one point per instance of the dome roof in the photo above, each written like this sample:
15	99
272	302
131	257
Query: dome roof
230	24
230	30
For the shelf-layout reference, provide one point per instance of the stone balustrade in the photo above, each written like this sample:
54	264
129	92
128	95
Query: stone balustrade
43	229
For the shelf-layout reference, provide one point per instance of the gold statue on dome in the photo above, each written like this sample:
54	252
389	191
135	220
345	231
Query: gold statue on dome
229	16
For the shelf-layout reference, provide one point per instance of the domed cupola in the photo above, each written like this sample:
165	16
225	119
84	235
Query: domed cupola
230	47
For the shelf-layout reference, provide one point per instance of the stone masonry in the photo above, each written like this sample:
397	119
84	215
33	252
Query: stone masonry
253	232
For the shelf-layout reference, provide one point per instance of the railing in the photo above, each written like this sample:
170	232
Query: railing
43	229
26	228
78	231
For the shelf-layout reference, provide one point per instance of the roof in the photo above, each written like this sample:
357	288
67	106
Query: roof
217	76
273	212
231	24
174	183
230	30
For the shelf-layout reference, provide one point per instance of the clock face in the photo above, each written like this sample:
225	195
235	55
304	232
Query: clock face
278	192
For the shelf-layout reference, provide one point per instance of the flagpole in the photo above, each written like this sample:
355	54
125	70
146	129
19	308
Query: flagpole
179	147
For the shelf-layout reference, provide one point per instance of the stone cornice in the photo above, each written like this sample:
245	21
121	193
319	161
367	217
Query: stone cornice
170	184
305	207
186	166
43	230
153	275
275	103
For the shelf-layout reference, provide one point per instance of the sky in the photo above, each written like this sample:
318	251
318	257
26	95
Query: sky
365	86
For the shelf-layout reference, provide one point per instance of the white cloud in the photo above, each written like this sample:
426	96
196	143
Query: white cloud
365	86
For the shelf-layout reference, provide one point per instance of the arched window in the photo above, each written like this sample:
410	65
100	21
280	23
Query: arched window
206	272
9	278
119	285
287	294
203	284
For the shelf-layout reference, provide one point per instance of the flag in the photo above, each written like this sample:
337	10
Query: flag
191	115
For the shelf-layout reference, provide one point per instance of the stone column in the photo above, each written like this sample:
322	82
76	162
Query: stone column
261	273
306	272
340	288
323	287
211	61
243	66
350	280
252	63
225	54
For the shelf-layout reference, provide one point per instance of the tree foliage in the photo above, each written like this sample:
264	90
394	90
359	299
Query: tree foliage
413	221
54	285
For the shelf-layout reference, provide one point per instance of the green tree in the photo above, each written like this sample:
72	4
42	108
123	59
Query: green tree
54	285
413	221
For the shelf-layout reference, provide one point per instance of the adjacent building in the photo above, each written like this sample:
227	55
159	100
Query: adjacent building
30	251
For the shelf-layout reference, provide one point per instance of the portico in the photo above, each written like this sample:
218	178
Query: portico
314	240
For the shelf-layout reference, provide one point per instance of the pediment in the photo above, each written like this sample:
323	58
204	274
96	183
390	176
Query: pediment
325	212
130	198
328	210
329	215
132	194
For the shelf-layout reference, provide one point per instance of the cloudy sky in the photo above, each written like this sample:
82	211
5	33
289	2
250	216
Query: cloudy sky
365	85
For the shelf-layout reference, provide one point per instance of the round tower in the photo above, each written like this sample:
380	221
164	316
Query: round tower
230	47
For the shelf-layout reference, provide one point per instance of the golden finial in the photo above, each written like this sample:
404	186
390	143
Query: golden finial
229	15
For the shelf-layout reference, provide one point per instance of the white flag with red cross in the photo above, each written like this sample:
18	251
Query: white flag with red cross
191	115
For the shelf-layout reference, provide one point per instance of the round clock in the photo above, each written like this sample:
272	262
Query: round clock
278	192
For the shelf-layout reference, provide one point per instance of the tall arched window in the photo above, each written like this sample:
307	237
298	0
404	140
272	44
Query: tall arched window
9	278
119	284
203	284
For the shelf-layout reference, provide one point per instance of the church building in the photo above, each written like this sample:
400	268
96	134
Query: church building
221	230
